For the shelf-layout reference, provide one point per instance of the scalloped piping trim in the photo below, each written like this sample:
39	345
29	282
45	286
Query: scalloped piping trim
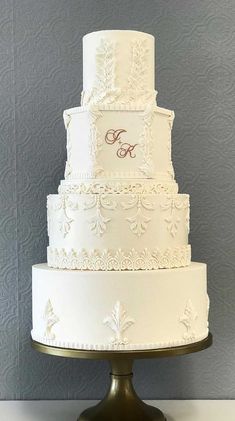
113	174
118	187
161	177
118	259
118	107
112	347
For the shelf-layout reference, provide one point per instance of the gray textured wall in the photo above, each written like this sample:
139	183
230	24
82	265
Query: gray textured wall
40	76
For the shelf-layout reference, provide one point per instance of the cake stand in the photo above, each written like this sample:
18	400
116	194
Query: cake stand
121	403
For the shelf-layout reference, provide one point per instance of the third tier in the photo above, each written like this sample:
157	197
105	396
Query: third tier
118	231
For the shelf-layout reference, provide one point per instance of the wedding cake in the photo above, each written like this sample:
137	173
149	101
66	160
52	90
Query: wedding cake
119	272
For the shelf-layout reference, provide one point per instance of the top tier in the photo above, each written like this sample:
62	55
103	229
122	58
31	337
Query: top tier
118	68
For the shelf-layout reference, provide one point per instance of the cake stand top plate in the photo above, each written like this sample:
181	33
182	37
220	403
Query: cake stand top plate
126	354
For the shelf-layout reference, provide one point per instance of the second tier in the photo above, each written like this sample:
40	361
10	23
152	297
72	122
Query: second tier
119	142
118	231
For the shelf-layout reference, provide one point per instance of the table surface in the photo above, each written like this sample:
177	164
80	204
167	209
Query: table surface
196	410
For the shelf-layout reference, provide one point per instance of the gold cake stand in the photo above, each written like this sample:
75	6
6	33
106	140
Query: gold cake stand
121	402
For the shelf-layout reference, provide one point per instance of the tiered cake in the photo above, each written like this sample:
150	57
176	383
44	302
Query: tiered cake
119	272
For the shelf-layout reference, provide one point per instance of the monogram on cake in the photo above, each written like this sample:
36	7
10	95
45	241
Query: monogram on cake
119	273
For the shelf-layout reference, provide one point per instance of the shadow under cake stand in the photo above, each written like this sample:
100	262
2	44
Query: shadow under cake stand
121	402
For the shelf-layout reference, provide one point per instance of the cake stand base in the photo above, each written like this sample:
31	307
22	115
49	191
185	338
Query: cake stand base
121	402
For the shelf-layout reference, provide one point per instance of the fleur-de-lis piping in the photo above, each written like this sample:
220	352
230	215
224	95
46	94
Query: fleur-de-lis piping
188	319
171	205
51	319
63	205
139	221
118	322
98	222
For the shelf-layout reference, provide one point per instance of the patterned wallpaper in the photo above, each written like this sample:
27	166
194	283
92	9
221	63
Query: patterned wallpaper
40	76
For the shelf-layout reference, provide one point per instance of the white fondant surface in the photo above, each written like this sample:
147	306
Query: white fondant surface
157	308
118	66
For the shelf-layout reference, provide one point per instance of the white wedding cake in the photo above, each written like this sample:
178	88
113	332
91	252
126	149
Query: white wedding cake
119	273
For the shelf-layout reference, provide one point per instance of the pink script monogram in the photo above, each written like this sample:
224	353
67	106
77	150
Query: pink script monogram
125	149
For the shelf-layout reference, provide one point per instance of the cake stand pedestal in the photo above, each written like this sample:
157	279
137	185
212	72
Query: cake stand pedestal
121	403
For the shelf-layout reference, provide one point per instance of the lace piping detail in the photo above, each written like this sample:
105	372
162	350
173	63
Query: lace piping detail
119	259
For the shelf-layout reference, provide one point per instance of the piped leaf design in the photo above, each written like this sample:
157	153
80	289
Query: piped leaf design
172	225
146	203
133	201
188	320
65	224
70	204
106	90
118	322
105	62
92	203
107	202
63	204
98	222
139	221
51	319
172	205
137	79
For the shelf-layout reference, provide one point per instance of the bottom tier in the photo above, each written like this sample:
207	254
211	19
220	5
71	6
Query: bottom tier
117	310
